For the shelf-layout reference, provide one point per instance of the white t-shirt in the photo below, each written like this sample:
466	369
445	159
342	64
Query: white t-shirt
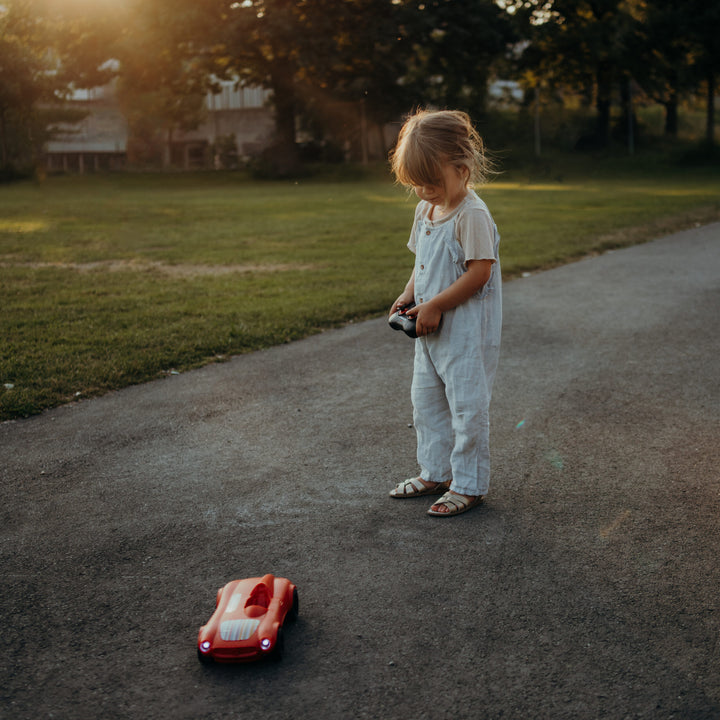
474	226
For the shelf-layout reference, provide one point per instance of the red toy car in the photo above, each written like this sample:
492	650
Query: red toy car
248	618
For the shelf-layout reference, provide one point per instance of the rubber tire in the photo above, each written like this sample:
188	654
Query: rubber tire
295	607
276	654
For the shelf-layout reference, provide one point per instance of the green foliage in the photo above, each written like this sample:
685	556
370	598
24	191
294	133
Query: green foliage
335	66
23	83
163	78
667	50
44	50
454	46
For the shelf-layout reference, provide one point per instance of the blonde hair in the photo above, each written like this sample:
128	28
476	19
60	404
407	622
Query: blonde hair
430	139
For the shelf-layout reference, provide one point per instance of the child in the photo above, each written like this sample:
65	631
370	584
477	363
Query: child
456	286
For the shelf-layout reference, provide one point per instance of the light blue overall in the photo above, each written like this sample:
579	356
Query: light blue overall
455	366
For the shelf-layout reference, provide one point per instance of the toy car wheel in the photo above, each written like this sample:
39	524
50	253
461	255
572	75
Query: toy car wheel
295	608
277	653
203	658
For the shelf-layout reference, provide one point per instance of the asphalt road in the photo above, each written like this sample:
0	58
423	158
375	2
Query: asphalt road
586	586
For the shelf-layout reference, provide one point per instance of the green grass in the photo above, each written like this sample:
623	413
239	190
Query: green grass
112	280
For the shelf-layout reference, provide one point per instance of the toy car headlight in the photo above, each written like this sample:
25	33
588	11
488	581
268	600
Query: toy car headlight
205	646
265	643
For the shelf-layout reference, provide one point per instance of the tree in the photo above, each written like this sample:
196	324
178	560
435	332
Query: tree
368	57
309	53
362	74
588	45
163	77
704	21
455	43
24	82
277	44
45	51
665	48
374	55
391	55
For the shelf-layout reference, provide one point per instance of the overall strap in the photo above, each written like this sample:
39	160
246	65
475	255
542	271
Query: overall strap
456	252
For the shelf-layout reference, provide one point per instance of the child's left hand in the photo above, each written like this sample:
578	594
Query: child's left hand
428	317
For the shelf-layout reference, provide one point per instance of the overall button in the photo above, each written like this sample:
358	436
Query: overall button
422	267
427	232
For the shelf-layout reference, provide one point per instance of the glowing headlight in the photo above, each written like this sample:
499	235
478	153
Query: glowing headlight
205	646
265	643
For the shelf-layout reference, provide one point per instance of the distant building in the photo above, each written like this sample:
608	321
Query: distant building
240	113
100	140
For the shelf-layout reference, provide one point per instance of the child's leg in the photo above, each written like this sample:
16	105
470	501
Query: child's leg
470	459
432	419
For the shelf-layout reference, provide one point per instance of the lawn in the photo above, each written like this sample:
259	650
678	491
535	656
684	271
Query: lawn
111	280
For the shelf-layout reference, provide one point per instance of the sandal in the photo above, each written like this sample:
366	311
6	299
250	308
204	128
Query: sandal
415	487
456	504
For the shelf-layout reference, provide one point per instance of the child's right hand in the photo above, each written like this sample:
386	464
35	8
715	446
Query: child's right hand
427	316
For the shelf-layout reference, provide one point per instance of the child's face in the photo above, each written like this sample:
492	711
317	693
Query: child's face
447	190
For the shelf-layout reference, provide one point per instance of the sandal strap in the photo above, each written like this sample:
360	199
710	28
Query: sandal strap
453	501
416	484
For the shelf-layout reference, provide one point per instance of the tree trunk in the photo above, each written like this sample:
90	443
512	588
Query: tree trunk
283	85
671	115
602	127
603	104
538	137
3	141
629	121
167	150
710	126
282	158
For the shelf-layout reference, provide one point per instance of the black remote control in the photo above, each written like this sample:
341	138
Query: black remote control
400	321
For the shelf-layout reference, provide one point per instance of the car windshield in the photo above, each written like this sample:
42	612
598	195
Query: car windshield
259	597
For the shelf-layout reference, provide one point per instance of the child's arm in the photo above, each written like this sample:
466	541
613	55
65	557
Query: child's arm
430	313
407	296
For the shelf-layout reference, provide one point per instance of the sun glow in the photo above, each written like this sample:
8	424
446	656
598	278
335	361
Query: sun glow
87	7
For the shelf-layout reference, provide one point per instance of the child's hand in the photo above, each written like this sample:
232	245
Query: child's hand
402	301
428	317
